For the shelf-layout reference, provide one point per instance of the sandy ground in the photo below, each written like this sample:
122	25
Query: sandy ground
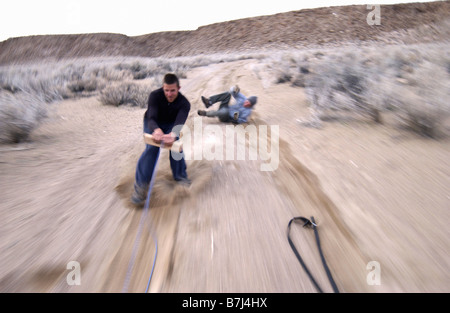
377	192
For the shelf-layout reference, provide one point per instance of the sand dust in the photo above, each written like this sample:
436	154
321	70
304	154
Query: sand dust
377	192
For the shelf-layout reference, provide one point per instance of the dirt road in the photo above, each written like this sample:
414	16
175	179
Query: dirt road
377	194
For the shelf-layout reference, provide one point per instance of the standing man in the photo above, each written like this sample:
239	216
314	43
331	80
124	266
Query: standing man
167	112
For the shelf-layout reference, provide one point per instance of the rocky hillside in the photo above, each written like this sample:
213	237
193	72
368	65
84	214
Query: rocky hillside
414	22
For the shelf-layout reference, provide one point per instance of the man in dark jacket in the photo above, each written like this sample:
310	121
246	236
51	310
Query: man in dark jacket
167	112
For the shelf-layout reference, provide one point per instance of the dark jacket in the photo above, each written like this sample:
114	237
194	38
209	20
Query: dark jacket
162	113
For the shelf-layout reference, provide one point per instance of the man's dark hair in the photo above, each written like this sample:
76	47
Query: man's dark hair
170	79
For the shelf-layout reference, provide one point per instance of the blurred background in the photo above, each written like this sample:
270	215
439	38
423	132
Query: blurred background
363	146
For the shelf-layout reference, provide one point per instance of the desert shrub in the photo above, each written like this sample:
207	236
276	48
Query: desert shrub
137	66
9	87
342	83
125	93
421	98
136	69
70	72
45	88
109	73
179	68
283	77
284	67
20	114
140	75
25	96
301	77
31	82
407	80
143	69
288	67
84	86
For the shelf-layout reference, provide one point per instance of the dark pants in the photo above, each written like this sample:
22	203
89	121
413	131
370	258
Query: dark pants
223	112
146	164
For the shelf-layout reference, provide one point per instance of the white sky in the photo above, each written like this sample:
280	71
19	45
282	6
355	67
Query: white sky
138	17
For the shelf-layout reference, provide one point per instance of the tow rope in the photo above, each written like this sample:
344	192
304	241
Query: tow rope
139	233
311	224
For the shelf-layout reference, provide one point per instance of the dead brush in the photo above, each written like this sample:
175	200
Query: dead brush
20	114
125	93
421	99
341	85
410	81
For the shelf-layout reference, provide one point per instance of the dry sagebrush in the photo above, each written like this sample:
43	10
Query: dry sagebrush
20	115
125	93
410	81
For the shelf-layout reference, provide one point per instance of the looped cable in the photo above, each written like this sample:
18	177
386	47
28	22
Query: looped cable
311	224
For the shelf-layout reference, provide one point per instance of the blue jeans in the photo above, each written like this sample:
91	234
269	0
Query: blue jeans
223	113
146	164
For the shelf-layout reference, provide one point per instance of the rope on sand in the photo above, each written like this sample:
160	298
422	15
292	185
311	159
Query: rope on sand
139	234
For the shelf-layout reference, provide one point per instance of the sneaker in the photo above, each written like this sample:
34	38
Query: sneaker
139	195
206	102
235	89
137	200
184	181
201	113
